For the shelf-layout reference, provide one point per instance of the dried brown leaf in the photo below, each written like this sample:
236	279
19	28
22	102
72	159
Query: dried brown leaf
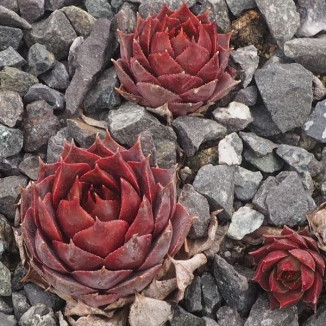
95	123
317	225
149	311
163	112
62	321
160	289
219	237
78	308
119	319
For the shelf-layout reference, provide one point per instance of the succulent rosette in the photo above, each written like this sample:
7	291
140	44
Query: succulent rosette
290	268
175	58
97	224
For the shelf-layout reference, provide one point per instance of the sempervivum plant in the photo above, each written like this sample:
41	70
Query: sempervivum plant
176	58
97	224
290	268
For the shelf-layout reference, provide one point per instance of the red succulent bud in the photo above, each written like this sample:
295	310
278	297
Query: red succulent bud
176	58
290	268
98	223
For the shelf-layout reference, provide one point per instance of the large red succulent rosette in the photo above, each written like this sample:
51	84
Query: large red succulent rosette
97	224
175	58
290	268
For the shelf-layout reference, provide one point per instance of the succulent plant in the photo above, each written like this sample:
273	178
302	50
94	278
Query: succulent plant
97	224
290	268
175	58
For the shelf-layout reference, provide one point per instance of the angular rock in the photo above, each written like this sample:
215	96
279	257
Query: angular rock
5	276
38	315
261	314
192	299
57	77
55	32
9	191
57	4
234	287
6	237
228	316
230	150
288	202
166	152
56	145
312	17
246	183
248	60
11	141
93	54
10	18
20	304
194	131
11	108
309	52
31	10
103	96
10	4
125	19
220	14
39	59
9	165
211	297
181	317
7	320
210	321
216	183
30	165
13	79
315	125
196	205
287	79
37	295
260	146
235	117
263	124
281	17
99	8
269	163
244	221
81	21
42	92
82	133
247	96
11	58
16	279
10	36
318	318
238	6
39	124
5	308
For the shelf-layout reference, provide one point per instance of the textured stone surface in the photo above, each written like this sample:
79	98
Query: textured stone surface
99	8
244	221
125	19
192	300
11	108
30	165
93	55
9	17
11	58
216	183
233	286
261	314
288	203
211	297
10	36
11	141
39	314
220	14
196	205
13	79
246	183
230	150
194	131
39	125
315	125
57	77
287	94
56	144
31	10
39	59
238	6
5	284
309	52
181	317
247	96
228	316
281	17
6	239
269	163
20	303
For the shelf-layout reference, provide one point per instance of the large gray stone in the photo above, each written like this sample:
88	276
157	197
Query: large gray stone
11	108
39	59
211	297
228	316
10	36
11	58
281	17
20	304
288	203
247	96
192	300
93	55
261	314
220	14
309	52
234	287
194	131
5	277
181	317
11	141
318	318
31	10
56	144
315	125
216	183
230	150
99	8
55	32
10	18
10	4
57	77
269	163
286	90
196	205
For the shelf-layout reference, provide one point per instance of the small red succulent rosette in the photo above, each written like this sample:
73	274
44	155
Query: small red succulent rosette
175	58
97	224
290	268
